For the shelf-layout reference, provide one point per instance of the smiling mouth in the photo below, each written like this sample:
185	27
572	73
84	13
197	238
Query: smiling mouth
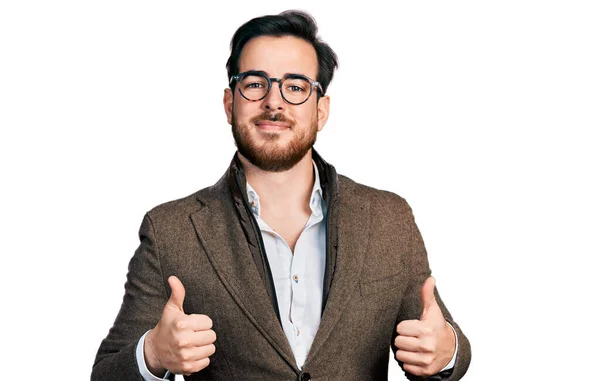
272	126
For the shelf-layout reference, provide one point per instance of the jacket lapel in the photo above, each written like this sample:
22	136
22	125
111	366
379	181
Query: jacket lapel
218	229
352	241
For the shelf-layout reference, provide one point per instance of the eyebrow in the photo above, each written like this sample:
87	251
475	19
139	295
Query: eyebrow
262	72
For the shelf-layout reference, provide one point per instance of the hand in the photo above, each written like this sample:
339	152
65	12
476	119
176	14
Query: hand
179	343
425	346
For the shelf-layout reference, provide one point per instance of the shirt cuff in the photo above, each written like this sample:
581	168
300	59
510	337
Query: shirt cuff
453	361
139	356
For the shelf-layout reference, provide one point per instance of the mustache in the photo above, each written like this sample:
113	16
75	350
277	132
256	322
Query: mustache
272	117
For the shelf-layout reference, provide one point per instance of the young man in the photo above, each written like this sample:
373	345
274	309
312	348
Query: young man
282	270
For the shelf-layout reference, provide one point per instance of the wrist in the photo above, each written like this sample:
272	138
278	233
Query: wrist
152	361
451	340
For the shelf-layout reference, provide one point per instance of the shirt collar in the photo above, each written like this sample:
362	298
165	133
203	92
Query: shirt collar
316	197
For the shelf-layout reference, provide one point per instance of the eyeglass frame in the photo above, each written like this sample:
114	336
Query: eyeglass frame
270	81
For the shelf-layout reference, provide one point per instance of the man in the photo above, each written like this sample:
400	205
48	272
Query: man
282	270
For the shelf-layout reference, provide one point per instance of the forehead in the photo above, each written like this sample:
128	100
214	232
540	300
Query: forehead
279	55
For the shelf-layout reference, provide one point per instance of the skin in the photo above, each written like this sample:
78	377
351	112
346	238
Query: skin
284	195
183	343
180	342
427	345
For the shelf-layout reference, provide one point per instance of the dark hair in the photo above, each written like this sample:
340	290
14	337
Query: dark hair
289	23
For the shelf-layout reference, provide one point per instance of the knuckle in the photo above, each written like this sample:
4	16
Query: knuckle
204	362
426	347
187	368
185	356
212	349
207	321
212	336
400	327
414	370
428	370
401	356
174	352
428	361
181	342
179	354
180	324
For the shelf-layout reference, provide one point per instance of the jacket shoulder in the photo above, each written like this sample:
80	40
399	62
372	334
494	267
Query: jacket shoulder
378	198
185	206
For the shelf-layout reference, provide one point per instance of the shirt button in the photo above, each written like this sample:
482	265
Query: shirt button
295	278
297	331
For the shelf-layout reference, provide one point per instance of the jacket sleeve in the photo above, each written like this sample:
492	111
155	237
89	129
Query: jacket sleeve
143	302
412	306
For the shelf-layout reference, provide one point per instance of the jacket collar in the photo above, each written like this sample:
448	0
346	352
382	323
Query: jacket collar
327	177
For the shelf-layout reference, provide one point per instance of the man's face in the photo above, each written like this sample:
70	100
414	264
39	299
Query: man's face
272	134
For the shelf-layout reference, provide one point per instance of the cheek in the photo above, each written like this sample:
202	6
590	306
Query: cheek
307	120
243	111
304	115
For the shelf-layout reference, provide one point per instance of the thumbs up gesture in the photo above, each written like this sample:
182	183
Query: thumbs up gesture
425	346
179	343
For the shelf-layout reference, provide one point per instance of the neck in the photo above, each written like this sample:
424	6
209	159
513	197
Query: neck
285	190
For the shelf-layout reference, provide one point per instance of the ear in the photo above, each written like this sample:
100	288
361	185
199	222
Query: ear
228	104
322	111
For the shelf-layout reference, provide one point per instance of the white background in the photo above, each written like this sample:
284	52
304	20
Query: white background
483	115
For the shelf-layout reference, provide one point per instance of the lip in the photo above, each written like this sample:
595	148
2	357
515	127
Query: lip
272	126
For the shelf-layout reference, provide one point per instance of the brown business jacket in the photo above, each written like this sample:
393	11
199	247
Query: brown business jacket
376	264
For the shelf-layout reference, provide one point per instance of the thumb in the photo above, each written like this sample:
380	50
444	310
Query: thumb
177	293
428	297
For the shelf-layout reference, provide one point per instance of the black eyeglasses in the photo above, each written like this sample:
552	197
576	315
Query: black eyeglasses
295	89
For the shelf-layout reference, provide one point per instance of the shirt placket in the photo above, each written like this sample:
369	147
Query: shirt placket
300	284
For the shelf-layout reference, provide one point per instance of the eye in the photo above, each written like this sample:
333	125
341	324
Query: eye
254	85
296	86
254	82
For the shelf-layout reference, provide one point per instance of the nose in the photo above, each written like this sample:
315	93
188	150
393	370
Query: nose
273	100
